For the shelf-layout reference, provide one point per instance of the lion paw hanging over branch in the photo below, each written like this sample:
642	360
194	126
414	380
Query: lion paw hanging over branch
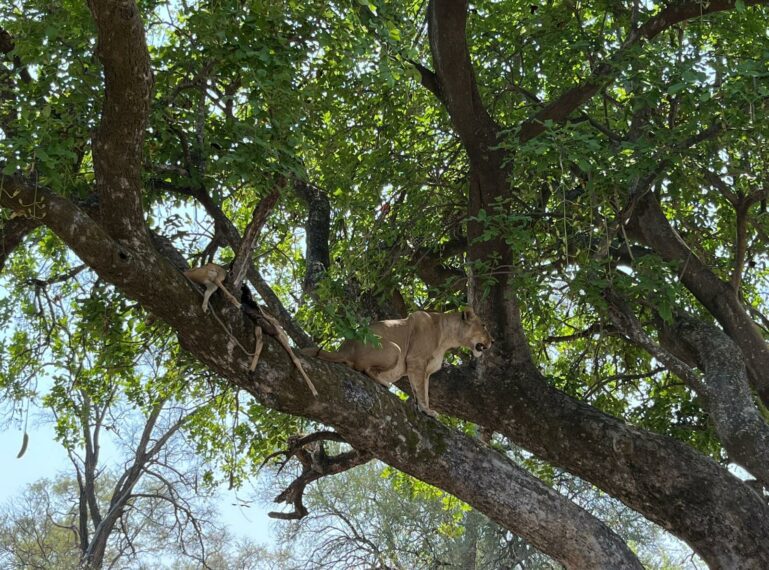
212	276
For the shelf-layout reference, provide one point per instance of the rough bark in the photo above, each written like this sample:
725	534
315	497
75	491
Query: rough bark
243	258
649	225
12	233
489	170
727	396
317	234
724	391
232	236
724	520
118	142
364	414
663	479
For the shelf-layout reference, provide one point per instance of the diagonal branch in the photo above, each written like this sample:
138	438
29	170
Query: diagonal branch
259	217
651	473
727	395
489	170
527	410
626	322
454	79
12	233
724	389
429	263
649	225
117	149
231	234
429	80
604	73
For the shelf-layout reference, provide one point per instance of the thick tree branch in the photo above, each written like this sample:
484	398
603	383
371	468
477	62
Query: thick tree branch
117	149
655	475
565	104
624	320
12	233
489	171
456	82
724	390
429	80
430	267
727	396
436	274
231	234
510	490
740	244
367	416
741	205
114	262
649	225
317	234
650	473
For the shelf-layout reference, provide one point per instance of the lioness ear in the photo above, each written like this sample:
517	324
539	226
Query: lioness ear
468	314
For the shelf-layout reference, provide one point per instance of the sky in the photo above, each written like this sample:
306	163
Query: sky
45	458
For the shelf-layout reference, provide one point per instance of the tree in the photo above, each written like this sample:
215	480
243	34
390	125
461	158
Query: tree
372	517
590	175
101	515
39	530
376	517
110	382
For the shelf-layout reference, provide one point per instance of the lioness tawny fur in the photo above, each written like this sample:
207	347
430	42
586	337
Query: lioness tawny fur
211	276
413	347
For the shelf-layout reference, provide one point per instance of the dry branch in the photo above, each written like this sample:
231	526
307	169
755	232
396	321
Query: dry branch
310	451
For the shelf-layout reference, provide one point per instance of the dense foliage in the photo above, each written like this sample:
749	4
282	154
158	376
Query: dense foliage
591	176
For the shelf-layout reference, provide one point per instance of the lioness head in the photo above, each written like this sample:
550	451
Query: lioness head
473	333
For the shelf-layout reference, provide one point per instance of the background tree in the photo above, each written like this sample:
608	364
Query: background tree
589	176
38	530
114	382
376	517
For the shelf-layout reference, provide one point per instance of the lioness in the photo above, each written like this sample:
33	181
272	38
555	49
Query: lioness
412	347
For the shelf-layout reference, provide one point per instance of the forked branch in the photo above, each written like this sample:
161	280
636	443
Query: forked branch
561	107
310	451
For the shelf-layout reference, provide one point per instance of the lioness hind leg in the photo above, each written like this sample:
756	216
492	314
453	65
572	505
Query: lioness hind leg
379	363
